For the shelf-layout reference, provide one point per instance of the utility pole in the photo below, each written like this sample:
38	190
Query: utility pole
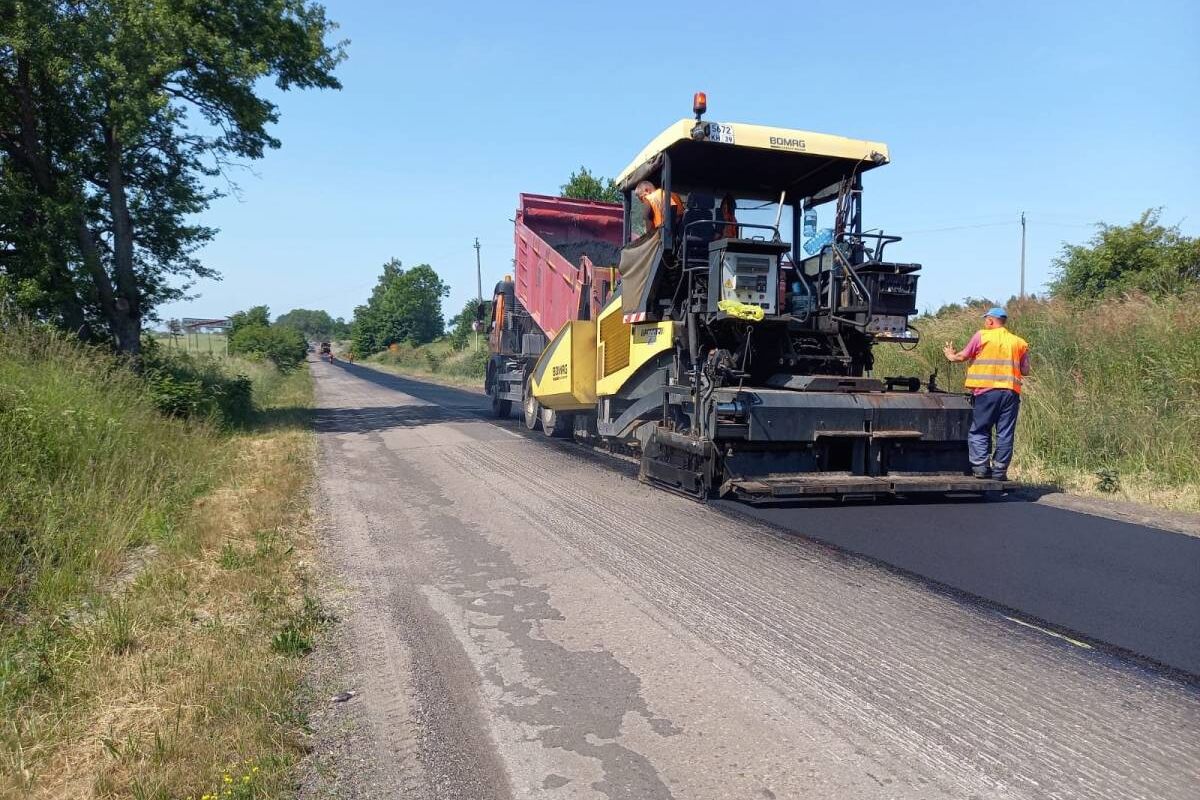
1021	295
478	288
478	272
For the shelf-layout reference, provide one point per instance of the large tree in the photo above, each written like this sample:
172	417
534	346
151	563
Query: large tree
313	323
583	185
1144	256
116	116
405	306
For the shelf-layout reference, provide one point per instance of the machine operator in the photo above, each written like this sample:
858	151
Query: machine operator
999	364
652	196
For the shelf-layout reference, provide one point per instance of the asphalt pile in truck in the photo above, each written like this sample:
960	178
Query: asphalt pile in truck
602	254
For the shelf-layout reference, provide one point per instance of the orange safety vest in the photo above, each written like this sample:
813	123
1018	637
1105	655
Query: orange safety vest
729	230
654	200
998	365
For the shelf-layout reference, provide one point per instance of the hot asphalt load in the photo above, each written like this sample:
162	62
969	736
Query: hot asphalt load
522	617
1131	586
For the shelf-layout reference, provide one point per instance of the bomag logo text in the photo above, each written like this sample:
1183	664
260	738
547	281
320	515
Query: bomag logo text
786	143
647	335
559	371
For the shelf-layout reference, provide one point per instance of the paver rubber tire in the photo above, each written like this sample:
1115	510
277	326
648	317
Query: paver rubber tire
532	410
555	424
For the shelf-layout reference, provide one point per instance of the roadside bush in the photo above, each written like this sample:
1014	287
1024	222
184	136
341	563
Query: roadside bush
282	345
185	385
438	358
404	355
468	363
434	360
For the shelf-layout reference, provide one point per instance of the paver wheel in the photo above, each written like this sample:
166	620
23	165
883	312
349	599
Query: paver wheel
555	424
532	409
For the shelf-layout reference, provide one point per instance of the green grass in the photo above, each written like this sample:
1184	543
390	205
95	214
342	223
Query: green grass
90	469
438	360
148	563
214	343
1113	403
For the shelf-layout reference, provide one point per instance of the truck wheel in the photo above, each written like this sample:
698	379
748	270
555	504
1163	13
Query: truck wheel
501	409
532	409
555	424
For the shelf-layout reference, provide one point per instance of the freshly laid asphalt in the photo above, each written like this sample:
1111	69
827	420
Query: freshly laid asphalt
1131	586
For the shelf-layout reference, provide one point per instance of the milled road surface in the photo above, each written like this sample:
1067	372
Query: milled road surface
527	620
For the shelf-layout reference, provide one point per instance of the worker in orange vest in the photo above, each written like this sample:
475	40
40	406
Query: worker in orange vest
652	196
728	215
999	364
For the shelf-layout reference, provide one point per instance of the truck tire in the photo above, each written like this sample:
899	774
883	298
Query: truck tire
555	424
501	409
532	409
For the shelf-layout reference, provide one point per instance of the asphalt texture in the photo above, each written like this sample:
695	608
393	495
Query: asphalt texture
1130	586
523	618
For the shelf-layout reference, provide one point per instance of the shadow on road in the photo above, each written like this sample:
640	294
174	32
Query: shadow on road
420	389
284	418
377	418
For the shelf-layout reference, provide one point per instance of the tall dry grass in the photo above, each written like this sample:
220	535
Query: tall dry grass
1114	399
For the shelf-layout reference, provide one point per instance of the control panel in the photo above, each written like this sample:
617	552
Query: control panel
750	278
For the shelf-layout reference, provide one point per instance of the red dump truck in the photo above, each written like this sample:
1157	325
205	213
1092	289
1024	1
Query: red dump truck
565	269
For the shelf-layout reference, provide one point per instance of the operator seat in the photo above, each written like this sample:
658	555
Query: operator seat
699	210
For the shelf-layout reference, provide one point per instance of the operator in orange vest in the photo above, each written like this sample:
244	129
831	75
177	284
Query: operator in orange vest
999	363
652	196
728	216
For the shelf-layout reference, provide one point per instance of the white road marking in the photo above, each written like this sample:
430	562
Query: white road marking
1049	632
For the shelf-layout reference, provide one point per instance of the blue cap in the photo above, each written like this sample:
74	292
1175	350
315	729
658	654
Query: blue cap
997	312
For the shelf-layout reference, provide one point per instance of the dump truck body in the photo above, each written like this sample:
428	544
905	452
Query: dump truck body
565	258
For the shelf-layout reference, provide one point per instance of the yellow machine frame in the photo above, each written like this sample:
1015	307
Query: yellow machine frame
579	367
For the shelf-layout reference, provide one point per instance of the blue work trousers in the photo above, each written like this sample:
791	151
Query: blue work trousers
995	408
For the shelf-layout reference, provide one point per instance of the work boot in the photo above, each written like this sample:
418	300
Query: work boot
980	472
1000	474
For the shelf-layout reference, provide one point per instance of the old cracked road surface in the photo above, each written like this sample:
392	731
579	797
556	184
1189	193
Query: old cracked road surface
528	620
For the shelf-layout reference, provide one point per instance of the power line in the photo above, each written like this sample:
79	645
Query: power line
960	227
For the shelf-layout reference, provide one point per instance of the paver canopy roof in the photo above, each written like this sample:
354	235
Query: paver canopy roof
753	159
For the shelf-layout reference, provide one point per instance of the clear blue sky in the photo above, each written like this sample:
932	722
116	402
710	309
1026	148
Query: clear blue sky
1071	111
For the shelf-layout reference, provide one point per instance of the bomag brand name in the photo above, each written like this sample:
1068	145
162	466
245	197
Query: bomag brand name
646	335
559	371
786	143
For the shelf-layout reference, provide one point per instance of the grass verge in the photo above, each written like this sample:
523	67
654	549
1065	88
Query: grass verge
157	601
438	362
1113	405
